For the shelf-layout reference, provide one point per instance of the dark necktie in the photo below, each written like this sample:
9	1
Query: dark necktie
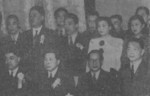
94	78
132	71
70	40
11	74
35	37
50	79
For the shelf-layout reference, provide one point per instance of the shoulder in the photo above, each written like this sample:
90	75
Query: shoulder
117	40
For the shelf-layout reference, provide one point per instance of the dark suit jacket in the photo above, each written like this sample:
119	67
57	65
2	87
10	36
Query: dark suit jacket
7	42
9	85
34	51
44	84
87	87
74	55
133	86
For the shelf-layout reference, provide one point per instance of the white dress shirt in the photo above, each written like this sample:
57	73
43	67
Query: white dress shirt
36	30
15	37
13	72
73	38
96	74
135	65
53	73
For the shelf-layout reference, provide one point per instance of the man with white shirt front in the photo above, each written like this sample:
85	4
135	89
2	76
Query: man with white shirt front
73	44
38	36
53	80
133	74
12	77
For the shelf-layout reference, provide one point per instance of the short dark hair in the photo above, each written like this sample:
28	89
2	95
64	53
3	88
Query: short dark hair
59	10
107	19
93	13
139	41
40	9
74	17
12	49
12	16
52	50
99	52
117	16
142	8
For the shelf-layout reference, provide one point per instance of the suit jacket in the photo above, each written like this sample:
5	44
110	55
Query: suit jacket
34	49
9	84
44	84
87	87
7	41
133	85
74	55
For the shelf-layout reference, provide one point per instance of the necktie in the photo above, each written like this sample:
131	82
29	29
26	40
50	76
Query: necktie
94	78
35	37
50	79
132	71
70	40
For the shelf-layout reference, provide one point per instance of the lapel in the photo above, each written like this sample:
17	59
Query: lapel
38	38
141	71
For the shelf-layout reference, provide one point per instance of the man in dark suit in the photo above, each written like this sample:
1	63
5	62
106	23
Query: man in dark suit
52	80
74	48
14	34
38	36
96	82
91	31
13	76
134	73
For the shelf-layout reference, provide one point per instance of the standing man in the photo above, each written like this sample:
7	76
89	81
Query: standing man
38	36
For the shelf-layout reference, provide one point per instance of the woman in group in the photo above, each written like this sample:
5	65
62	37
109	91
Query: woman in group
112	46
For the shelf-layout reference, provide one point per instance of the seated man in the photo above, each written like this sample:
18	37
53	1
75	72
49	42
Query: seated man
13	76
133	74
52	80
96	82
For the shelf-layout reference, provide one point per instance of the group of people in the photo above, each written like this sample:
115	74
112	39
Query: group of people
105	60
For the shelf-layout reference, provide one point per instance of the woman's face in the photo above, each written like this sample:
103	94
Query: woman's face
136	26
103	28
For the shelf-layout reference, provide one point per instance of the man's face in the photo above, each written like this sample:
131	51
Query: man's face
35	18
12	26
91	22
50	62
70	26
60	19
142	13
136	26
117	24
94	62
12	61
134	51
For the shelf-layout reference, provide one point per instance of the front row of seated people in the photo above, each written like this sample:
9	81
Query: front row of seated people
53	80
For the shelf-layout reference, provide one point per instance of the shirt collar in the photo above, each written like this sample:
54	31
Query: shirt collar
14	71
135	64
73	36
15	37
53	72
96	74
37	29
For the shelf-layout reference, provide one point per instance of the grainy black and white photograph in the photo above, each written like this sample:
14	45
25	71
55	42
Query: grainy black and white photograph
74	47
